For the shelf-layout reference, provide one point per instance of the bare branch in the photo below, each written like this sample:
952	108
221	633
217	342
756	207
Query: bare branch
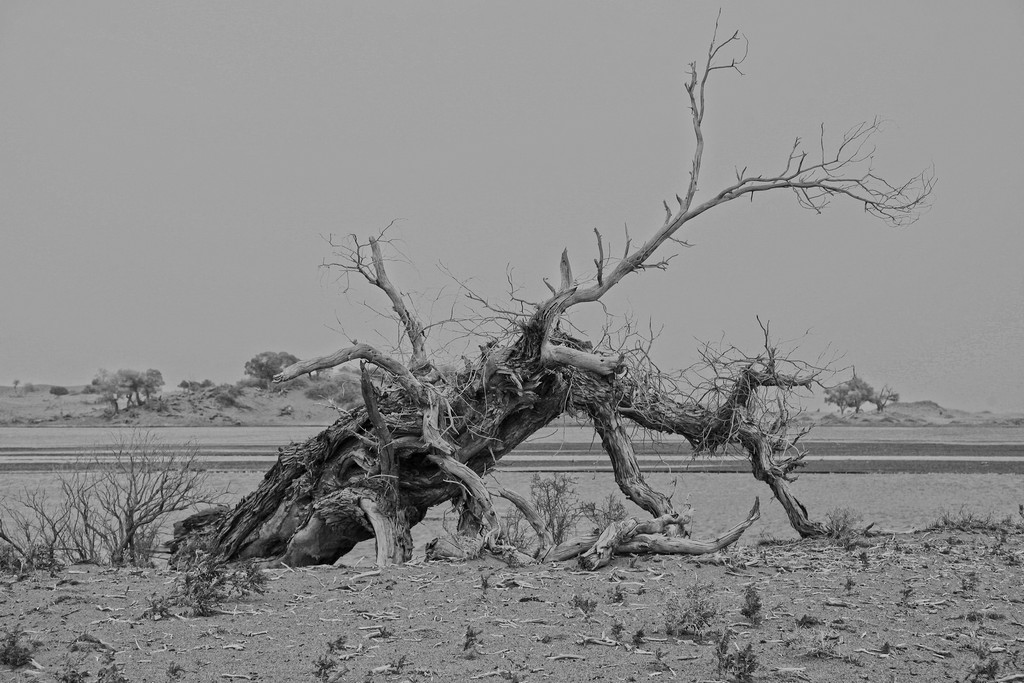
413	327
845	172
565	270
359	351
373	270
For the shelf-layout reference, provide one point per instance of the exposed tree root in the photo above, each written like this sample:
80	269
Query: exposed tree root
634	537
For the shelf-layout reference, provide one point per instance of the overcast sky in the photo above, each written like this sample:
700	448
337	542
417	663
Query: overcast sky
168	172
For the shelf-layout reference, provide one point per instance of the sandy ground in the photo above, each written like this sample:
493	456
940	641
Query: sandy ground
939	606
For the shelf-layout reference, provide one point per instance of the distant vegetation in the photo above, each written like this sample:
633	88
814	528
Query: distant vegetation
263	366
135	386
189	385
128	390
854	393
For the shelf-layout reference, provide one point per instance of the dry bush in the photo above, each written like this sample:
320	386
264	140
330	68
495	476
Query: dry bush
841	526
340	389
107	510
968	520
603	514
12	652
556	500
207	582
692	616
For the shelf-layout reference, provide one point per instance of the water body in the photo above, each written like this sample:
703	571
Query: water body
831	449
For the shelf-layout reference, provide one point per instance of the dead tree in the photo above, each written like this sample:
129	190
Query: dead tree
424	436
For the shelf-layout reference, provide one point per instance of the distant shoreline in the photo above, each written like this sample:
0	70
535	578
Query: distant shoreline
824	458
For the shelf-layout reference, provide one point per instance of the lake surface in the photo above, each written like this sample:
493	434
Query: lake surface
831	449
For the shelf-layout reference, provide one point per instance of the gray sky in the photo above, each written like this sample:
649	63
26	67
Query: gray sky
168	172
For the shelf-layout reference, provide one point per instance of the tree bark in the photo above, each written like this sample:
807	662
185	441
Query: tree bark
627	472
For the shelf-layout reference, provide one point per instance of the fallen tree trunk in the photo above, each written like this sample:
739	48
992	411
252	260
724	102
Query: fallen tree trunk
423	436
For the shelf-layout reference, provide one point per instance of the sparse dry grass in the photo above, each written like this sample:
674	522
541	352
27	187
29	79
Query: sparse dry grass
426	621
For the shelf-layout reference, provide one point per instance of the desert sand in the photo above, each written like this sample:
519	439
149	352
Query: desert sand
942	605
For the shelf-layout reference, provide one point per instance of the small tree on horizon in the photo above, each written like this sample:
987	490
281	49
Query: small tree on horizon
152	381
883	398
131	384
852	394
855	392
263	366
108	387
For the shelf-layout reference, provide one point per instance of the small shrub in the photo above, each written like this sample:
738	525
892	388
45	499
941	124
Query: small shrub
208	582
840	526
745	664
639	638
602	516
967	520
110	671
472	638
72	675
40	556
395	666
249	578
618	628
723	657
517	532
692	616
741	663
556	501
337	645
159	608
471	643
340	389
226	395
12	652
585	605
324	666
751	605
985	670
10	560
59	391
